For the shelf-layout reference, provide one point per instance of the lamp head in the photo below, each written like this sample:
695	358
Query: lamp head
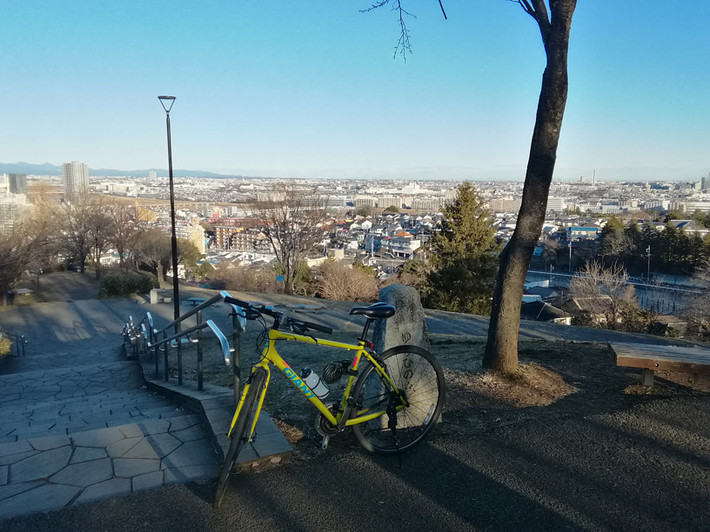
167	102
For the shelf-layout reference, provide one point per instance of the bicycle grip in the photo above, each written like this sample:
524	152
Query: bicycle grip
322	328
233	301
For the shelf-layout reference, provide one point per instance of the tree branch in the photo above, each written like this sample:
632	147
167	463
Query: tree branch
537	10
442	10
403	46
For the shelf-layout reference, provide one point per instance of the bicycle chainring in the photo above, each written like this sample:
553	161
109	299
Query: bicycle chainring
323	426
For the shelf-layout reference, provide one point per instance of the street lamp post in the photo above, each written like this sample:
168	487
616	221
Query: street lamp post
167	103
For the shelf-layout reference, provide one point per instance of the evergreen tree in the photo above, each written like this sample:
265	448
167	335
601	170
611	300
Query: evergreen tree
463	257
614	243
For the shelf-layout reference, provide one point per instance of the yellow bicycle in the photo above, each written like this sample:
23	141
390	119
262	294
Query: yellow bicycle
391	400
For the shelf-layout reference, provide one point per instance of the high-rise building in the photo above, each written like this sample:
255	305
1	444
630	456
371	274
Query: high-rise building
76	179
17	183
705	182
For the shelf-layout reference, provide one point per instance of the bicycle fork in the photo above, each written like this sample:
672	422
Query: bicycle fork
257	411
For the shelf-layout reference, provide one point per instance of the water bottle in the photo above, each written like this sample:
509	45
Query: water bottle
314	382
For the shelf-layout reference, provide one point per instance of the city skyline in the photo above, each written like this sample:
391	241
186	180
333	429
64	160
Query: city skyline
284	90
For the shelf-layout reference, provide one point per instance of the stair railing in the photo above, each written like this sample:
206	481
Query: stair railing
172	336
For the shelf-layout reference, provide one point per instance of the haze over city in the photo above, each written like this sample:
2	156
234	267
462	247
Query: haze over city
312	89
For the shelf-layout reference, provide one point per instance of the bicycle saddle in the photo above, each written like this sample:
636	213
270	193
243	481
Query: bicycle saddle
376	311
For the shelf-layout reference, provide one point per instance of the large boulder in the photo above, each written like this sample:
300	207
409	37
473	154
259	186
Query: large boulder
407	326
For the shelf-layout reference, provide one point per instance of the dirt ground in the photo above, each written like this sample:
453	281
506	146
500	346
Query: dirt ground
554	377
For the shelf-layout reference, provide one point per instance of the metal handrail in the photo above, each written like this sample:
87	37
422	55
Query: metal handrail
158	340
224	345
211	301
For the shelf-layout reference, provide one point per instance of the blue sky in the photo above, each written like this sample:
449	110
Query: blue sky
311	89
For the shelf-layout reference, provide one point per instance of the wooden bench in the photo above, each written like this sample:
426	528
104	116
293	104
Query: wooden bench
653	357
194	301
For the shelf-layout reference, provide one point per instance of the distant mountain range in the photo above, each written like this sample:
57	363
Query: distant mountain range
51	169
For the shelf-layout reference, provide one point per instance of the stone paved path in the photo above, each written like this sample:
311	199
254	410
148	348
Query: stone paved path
73	435
79	423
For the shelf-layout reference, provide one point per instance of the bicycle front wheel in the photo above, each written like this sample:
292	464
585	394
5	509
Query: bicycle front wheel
239	434
418	377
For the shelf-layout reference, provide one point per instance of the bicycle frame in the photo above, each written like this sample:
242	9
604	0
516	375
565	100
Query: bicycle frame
342	416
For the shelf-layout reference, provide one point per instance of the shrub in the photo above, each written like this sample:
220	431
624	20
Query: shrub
5	345
340	282
244	278
120	283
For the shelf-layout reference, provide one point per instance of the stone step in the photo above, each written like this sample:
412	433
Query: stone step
110	400
51	472
65	383
21	389
94	412
63	401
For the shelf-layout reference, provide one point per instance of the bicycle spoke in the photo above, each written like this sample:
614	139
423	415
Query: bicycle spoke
418	377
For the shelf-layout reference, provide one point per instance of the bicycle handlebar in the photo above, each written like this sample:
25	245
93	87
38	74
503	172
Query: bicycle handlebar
263	309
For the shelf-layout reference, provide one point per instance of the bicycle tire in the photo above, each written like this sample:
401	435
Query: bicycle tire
239	435
418	375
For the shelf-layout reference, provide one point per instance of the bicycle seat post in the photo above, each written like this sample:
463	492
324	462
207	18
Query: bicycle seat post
365	329
374	312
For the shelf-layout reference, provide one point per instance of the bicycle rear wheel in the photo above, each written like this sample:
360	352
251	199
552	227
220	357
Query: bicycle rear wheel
239	434
418	376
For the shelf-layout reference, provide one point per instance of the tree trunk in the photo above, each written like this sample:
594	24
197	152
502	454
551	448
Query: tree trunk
501	353
160	275
98	265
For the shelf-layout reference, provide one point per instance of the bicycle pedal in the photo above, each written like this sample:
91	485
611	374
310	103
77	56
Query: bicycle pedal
322	441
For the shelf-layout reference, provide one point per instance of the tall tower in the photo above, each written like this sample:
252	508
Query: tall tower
17	183
76	179
705	182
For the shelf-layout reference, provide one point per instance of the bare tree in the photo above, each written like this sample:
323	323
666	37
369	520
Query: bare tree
74	220
501	351
23	245
101	228
290	218
152	249
554	20
606	290
698	314
125	227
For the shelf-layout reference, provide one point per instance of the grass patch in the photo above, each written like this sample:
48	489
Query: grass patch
5	346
